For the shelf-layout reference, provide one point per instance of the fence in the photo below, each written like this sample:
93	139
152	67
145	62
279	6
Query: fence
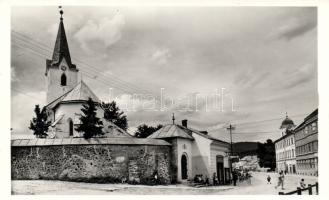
300	190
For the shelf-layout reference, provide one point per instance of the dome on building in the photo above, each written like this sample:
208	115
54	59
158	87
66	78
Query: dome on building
287	123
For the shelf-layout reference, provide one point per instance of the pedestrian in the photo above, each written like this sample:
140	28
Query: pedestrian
234	176
269	179
282	181
248	177
215	179
279	179
302	184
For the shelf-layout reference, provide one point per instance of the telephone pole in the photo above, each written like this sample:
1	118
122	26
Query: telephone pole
231	128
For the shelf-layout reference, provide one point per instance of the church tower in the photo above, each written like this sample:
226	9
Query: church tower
61	74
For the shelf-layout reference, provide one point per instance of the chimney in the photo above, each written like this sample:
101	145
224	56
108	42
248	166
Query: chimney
184	123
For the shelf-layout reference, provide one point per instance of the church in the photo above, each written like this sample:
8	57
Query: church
177	153
65	94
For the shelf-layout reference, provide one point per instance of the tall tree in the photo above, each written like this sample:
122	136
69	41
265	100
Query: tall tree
266	154
143	131
39	124
90	125
113	114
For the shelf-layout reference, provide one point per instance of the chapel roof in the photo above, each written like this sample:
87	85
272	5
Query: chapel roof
171	131
178	131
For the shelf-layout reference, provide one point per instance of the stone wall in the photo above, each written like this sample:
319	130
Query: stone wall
91	162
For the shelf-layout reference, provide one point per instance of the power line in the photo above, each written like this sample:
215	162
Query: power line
44	47
84	72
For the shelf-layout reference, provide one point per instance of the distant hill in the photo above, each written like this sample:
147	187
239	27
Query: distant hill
245	148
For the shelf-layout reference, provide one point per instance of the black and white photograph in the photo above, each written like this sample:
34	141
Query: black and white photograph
164	100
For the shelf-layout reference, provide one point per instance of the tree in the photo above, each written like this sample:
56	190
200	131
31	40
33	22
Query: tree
143	131
266	154
90	125
113	114
39	124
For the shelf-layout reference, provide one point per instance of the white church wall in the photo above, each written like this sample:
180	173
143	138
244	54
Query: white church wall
70	111
184	146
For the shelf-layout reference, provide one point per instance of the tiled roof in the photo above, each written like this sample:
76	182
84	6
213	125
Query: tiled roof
81	92
178	131
171	131
91	141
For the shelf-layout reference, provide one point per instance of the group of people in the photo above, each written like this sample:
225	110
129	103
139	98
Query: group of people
199	179
241	176
281	177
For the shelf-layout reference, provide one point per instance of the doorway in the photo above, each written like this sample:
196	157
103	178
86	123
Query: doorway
184	167
220	169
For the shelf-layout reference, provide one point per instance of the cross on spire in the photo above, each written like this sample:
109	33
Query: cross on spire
61	12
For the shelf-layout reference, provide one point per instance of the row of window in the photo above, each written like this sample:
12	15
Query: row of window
307	129
286	154
307	164
284	143
307	148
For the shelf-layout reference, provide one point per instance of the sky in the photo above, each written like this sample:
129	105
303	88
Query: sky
214	66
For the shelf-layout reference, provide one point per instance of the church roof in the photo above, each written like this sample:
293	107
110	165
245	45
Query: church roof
61	49
81	92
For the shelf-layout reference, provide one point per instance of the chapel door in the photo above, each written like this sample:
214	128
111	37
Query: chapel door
184	167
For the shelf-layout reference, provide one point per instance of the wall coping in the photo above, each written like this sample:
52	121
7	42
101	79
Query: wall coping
91	141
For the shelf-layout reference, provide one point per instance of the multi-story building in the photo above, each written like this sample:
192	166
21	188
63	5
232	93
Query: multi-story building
306	136
285	148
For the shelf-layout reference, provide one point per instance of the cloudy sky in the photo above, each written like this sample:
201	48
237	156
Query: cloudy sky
264	57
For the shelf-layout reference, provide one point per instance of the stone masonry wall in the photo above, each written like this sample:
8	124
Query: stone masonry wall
91	163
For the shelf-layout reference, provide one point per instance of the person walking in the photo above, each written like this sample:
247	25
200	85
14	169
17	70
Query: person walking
234	176
280	180
268	179
302	184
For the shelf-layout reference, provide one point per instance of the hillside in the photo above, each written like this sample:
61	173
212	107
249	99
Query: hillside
245	148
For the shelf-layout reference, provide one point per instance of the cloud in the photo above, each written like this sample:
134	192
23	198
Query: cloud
161	56
13	74
94	35
300	76
296	26
22	106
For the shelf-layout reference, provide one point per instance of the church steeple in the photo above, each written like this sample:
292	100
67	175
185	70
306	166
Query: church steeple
61	49
61	74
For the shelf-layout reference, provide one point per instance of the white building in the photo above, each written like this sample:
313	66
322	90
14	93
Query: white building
195	153
285	148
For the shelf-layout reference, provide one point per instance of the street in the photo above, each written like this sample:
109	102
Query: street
258	186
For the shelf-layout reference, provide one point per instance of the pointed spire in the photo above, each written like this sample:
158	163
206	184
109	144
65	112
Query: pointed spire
61	49
173	118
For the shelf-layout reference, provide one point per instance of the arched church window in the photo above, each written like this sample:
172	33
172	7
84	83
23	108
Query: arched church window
70	123
63	80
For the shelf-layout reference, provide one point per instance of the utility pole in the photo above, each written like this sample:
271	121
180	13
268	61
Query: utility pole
231	128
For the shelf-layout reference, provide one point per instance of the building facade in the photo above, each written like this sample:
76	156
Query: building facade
195	153
306	135
285	148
